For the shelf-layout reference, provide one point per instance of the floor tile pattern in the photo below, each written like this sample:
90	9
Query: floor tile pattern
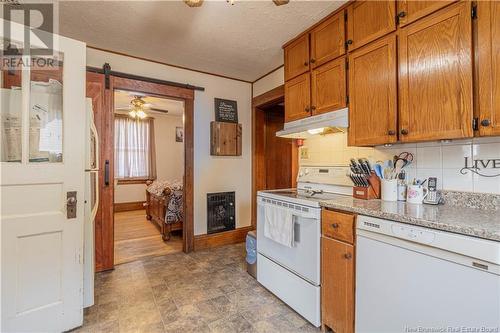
206	291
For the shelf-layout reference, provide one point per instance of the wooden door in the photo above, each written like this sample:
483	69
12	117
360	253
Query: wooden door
369	20
328	91
373	93
411	10
435	76
297	57
104	238
298	98
42	163
328	40
489	67
337	285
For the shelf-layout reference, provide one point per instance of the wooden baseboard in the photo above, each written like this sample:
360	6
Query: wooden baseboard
222	238
127	206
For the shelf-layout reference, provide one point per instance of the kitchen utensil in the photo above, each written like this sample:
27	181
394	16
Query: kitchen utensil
378	170
405	157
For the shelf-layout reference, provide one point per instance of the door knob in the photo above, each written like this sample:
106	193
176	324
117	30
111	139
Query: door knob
313	108
71	204
348	42
313	61
306	63
485	122
404	131
71	201
307	109
391	132
401	14
348	256
335	225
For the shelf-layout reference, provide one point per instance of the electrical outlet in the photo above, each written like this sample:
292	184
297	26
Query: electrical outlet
304	153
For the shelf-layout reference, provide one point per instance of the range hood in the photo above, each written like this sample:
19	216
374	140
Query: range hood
335	121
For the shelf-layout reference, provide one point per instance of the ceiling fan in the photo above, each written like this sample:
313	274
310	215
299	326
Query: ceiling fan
138	108
198	3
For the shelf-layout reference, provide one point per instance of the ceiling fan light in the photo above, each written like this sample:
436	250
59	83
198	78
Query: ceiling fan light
141	114
193	3
280	2
132	114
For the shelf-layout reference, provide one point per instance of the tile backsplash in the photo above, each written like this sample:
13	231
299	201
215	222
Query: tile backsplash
444	160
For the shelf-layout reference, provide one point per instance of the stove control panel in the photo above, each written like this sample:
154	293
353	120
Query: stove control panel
331	175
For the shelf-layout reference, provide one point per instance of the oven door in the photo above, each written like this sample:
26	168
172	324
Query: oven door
303	258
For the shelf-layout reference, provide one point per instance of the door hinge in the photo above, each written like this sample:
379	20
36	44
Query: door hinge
474	11
475	124
107	70
347	99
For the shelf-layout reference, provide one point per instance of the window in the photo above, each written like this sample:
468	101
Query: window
134	149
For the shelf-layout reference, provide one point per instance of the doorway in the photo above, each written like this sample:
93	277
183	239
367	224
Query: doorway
274	159
148	173
101	87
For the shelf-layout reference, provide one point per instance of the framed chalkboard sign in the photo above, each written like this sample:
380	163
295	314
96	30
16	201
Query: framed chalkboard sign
226	111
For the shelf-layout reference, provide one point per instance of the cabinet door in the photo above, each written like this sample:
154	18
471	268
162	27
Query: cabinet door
328	40
489	67
297	57
373	93
297	98
435	76
411	10
337	285
369	20
329	87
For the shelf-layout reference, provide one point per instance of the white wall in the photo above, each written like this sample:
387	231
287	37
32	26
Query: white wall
268	82
439	159
169	158
211	174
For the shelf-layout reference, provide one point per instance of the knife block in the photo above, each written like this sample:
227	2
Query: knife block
370	192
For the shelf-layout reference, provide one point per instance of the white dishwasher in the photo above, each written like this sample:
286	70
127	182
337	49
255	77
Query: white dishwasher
414	279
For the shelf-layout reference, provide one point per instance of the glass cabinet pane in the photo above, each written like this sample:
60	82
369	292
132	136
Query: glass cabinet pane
10	110
46	113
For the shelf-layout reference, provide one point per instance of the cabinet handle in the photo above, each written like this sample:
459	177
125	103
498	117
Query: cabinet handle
335	225
307	109
485	122
348	42
391	132
348	256
306	63
313	108
401	14
313	61
404	131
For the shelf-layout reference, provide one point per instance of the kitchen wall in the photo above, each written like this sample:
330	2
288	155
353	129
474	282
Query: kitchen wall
444	160
211	174
268	82
169	158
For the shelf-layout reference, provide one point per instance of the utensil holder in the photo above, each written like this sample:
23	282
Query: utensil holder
369	192
390	189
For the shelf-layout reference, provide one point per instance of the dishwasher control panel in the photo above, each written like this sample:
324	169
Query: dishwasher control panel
413	234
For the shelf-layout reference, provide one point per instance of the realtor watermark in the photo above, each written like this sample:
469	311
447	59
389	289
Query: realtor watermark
451	329
29	35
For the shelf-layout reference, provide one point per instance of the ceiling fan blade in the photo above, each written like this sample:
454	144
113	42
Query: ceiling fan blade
158	110
280	2
123	108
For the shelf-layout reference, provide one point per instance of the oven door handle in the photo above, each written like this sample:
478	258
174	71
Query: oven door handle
296	230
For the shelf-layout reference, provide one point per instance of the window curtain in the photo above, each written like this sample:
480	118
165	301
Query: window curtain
134	148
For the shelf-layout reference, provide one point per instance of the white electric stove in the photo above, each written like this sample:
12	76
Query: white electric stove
293	274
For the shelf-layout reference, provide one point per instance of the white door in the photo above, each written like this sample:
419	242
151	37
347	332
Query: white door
42	160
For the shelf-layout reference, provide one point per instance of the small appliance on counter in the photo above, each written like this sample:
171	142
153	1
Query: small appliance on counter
433	196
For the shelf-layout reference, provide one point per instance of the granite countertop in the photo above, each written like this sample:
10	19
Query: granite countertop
483	223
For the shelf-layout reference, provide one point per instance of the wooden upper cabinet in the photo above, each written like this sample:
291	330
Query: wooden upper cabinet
328	91
411	10
328	40
337	285
488	51
373	93
297	57
369	20
298	98
435	76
